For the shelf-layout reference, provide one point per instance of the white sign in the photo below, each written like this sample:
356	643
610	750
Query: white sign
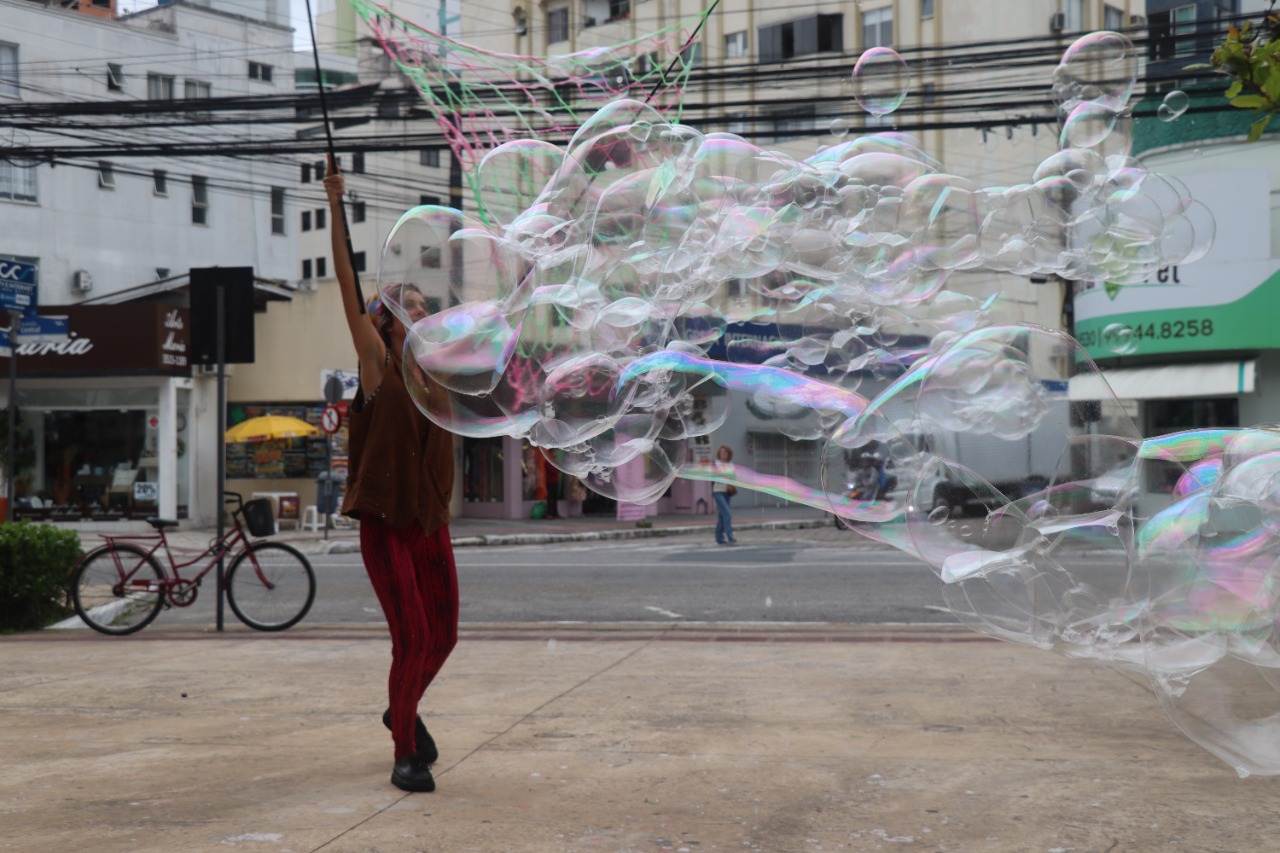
146	491
350	382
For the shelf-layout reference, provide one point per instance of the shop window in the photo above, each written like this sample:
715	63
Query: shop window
482	460
286	459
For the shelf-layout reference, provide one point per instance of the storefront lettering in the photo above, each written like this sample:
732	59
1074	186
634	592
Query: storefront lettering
172	345
172	320
1168	275
74	346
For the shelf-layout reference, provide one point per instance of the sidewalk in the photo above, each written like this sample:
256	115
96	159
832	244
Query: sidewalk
621	738
498	531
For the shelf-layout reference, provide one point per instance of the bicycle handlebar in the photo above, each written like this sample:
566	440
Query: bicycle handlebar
236	498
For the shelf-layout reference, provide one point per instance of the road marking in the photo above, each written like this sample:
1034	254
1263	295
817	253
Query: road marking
662	612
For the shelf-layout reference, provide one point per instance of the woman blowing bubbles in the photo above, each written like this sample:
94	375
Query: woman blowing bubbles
399	484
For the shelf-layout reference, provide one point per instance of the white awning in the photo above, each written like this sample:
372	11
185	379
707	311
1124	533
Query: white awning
1173	381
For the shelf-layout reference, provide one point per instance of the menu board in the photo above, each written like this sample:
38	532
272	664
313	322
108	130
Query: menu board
297	458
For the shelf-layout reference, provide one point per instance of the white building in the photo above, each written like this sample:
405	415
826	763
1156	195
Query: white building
111	235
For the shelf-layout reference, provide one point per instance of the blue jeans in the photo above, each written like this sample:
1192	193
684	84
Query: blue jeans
724	518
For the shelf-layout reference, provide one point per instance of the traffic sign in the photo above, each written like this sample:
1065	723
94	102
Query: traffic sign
17	286
41	329
330	419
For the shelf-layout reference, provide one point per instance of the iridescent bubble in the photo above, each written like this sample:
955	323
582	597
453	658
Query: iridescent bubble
880	81
1120	339
839	127
1174	105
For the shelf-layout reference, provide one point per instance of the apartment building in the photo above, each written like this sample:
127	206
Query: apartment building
121	424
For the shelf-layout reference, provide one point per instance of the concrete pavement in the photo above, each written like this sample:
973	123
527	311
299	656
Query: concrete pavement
622	738
626	738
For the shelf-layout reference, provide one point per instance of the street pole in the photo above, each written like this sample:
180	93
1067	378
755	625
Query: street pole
220	347
13	417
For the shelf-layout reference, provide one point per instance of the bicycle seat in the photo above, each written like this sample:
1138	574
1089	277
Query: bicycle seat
161	523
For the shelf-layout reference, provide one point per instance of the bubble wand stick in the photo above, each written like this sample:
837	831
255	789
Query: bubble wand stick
692	37
333	157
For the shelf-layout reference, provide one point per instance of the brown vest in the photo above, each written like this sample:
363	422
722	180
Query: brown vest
401	464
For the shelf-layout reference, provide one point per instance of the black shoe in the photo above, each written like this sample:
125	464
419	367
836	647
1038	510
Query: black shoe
423	744
412	774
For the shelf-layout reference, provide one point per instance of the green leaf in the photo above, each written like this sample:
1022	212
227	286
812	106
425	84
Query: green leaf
1272	87
1196	66
1233	90
1256	129
1249	102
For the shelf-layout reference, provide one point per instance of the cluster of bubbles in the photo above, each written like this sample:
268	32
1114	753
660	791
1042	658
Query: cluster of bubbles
580	308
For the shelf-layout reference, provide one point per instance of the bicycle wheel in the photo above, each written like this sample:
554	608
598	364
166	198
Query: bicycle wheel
117	589
270	586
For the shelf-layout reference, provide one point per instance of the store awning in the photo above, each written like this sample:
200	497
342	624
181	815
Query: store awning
264	290
1166	382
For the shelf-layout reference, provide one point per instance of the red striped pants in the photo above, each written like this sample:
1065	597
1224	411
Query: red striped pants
416	582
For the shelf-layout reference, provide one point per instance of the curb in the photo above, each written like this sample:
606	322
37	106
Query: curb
494	539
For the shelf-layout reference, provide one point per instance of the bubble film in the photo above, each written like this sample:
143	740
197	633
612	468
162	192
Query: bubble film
580	307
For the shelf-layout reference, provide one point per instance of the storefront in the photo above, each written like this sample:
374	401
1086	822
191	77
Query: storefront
106	430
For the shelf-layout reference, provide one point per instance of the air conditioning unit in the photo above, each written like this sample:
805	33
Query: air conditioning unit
1057	22
307	285
212	370
82	282
1137	20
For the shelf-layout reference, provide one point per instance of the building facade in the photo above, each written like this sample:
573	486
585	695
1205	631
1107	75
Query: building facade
121	425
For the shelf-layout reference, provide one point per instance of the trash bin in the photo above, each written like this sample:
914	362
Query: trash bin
329	489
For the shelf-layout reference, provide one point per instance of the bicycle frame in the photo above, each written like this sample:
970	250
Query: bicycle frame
230	542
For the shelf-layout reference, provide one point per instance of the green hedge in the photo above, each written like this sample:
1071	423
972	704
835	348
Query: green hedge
35	574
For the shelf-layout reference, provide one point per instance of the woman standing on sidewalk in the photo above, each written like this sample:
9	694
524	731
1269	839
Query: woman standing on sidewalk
399	485
722	492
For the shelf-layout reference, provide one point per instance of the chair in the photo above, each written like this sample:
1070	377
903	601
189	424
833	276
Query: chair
289	512
311	518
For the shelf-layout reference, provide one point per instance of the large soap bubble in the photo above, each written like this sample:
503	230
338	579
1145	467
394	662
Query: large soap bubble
581	309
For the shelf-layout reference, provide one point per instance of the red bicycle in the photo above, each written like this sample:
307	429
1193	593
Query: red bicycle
120	586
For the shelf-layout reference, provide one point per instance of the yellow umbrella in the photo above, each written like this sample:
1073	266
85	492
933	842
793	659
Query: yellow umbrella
268	428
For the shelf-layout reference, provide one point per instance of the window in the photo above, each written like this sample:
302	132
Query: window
306	173
929	94
161	179
115	77
17	182
691	56
557	25
260	71
357	261
619	9
357	211
1112	18
319	218
159	87
430	257
793	122
199	200
357	163
429	199
196	89
735	45
306	220
319	170
877	28
815	34
320	268
926	9
306	268
162	273
429	157
277	210
1184	30
106	175
1073	14
8	69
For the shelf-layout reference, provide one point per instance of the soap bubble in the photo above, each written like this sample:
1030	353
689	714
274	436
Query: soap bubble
1174	105
880	81
616	299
